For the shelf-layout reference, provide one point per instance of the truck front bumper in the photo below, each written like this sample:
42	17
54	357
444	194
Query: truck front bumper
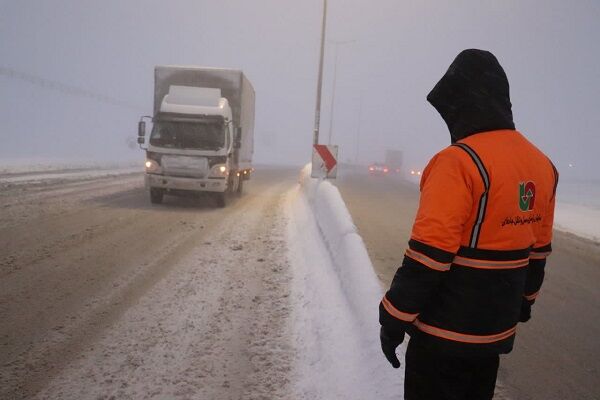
179	183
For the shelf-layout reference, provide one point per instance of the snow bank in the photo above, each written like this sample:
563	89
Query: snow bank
47	164
578	208
32	170
68	175
346	248
578	219
336	294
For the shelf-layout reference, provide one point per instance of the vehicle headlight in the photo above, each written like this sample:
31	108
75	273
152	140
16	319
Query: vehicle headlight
219	171
152	166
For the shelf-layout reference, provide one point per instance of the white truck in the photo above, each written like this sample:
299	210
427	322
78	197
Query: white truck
202	132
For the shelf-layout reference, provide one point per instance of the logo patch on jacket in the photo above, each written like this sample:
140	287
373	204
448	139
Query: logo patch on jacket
526	196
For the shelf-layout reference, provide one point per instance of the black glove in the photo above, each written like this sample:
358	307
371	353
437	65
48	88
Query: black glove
389	342
525	310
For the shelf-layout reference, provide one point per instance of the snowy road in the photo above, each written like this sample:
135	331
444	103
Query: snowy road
104	296
556	353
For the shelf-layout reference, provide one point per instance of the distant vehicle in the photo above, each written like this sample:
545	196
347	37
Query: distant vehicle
415	172
378	169
202	133
393	160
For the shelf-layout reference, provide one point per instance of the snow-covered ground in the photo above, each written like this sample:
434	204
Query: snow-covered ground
32	171
67	175
46	164
201	314
578	208
336	295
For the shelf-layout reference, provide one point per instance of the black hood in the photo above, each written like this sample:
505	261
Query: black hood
473	96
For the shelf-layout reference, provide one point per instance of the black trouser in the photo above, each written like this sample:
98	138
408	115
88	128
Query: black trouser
430	375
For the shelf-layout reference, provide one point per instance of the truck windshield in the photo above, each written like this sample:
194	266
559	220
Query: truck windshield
198	135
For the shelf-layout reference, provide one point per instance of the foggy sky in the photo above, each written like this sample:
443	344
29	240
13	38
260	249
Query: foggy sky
398	51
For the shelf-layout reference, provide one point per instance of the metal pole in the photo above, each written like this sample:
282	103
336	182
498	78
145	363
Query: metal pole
360	106
333	93
320	80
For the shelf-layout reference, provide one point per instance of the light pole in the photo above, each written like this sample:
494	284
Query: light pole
337	43
320	79
358	126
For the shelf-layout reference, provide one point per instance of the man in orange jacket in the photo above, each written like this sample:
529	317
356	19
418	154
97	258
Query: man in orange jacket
478	247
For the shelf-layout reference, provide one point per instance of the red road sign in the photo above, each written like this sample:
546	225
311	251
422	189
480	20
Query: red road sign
324	161
326	156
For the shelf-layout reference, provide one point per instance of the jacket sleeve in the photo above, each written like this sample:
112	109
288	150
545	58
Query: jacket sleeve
444	208
541	250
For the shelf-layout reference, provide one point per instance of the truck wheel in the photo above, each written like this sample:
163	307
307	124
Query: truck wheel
156	195
221	199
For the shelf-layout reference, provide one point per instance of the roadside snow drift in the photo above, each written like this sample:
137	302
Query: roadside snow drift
578	208
34	171
578	220
337	294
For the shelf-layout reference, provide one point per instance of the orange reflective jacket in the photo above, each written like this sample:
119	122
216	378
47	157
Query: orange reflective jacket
478	244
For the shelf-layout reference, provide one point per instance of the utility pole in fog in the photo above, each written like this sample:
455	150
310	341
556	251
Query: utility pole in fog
358	126
320	79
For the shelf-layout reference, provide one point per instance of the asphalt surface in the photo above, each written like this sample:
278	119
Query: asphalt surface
557	353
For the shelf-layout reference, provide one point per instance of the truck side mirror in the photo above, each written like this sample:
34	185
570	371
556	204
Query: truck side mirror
141	129
141	140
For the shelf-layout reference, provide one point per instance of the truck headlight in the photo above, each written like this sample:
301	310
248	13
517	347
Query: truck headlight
152	166
219	171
